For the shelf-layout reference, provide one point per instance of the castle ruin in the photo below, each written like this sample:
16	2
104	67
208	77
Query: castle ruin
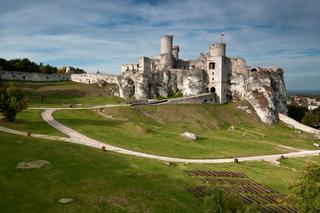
212	72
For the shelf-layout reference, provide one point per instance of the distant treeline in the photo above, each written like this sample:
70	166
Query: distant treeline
25	65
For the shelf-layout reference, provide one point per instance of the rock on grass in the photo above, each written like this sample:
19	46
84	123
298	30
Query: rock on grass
189	136
32	164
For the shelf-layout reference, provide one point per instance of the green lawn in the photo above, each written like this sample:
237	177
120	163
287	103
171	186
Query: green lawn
108	182
97	181
62	94
157	129
31	121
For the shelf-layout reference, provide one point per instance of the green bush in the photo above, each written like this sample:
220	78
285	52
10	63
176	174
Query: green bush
306	190
220	202
12	101
312	118
296	112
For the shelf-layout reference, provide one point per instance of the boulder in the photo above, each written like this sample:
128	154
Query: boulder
189	136
65	200
32	164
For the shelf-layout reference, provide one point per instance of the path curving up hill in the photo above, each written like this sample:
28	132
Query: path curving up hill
82	139
78	138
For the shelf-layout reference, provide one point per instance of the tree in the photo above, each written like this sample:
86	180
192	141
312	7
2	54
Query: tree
312	118
296	112
12	101
306	189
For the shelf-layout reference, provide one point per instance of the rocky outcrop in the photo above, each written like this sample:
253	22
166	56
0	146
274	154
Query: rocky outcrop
194	82
265	91
263	88
126	88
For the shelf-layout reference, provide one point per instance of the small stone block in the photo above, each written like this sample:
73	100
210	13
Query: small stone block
103	148
282	157
236	160
29	134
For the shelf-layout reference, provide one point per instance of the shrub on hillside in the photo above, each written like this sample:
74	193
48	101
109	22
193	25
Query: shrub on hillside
296	112
220	202
12	101
306	190
312	118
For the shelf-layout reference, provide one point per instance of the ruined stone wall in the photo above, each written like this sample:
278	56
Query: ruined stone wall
32	76
130	67
94	78
81	78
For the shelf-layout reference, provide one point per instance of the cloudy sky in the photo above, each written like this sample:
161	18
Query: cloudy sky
101	34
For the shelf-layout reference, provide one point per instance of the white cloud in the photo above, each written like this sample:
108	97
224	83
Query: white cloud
101	35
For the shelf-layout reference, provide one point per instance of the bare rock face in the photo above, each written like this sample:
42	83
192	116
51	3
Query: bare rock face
126	87
238	86
266	93
142	87
164	83
194	83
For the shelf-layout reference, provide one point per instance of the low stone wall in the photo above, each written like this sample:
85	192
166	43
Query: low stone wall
93	78
293	123
81	78
31	76
209	98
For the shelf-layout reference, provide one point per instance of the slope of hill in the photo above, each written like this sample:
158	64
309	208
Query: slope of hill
63	94
157	129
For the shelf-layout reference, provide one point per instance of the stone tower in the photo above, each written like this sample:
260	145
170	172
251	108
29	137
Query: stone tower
166	58
217	71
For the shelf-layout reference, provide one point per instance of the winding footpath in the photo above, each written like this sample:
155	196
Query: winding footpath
76	137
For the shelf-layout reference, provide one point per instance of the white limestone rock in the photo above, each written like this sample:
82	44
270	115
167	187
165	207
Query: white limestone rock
266	93
194	83
189	136
32	164
126	88
142	87
65	200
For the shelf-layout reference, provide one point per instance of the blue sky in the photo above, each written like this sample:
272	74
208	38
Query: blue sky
102	35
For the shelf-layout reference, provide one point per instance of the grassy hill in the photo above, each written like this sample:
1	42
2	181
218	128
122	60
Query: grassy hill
62	94
104	181
157	129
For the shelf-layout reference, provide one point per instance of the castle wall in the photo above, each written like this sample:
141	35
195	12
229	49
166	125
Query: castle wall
81	78
175	52
31	76
130	67
93	78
